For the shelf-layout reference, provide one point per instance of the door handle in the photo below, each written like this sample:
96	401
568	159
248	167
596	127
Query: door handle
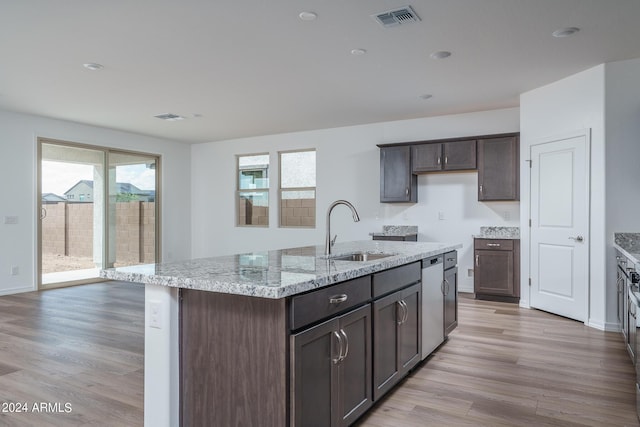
346	345
477	260
337	360
400	312
577	238
406	191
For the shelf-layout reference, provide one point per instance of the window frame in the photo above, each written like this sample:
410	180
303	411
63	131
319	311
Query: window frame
281	190
240	191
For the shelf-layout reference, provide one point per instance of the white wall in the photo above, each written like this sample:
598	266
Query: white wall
622	118
18	136
348	165
605	99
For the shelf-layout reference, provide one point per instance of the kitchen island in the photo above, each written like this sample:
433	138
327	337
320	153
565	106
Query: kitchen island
278	337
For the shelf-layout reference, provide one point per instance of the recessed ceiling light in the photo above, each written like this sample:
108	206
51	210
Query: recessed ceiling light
565	32
426	96
308	16
93	66
441	54
358	52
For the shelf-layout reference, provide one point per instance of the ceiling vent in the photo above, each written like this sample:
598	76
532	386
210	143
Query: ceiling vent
403	15
169	117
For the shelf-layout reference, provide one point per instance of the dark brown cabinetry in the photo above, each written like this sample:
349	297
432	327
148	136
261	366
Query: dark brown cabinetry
498	168
396	334
332	370
397	183
450	291
445	156
495	157
497	269
319	358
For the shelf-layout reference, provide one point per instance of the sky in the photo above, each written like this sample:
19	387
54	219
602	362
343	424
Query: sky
58	177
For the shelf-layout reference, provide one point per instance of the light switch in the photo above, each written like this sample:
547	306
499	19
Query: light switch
11	220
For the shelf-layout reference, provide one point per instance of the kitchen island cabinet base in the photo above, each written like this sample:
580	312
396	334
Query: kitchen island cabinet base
233	360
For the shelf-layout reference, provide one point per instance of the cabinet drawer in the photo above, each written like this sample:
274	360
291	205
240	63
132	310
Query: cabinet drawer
494	244
325	302
396	278
450	259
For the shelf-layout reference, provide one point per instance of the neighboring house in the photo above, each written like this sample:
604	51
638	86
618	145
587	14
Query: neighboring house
82	192
49	198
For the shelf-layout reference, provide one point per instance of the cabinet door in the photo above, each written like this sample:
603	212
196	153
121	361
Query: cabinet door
314	377
498	169
450	290
397	183
426	158
409	349
460	155
386	315
355	392
494	273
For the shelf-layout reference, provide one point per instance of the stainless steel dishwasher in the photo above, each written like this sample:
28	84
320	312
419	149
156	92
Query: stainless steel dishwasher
432	304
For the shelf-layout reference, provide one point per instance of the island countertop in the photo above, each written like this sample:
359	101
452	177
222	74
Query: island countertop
277	273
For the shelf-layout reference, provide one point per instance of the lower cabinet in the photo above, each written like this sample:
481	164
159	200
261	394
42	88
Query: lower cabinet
331	375
396	336
497	269
450	291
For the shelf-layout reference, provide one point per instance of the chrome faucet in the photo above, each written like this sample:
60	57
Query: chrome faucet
330	242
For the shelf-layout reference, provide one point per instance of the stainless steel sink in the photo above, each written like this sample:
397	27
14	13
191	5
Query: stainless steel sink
360	256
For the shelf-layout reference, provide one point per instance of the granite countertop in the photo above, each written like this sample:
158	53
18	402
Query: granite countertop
278	273
498	233
629	245
397	230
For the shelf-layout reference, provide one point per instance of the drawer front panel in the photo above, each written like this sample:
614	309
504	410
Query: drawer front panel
450	259
494	244
396	278
329	301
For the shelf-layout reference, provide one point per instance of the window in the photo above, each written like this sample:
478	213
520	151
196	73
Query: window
253	190
298	188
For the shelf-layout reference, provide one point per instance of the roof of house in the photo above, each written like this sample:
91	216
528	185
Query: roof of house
51	197
122	187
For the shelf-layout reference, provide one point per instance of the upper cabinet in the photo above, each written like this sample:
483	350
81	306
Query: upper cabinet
495	157
397	183
445	156
498	168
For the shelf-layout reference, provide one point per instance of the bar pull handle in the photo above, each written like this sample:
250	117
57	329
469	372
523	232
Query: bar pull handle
493	245
477	260
337	360
337	299
346	344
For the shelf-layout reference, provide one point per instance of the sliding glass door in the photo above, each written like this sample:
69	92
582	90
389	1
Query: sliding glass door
97	209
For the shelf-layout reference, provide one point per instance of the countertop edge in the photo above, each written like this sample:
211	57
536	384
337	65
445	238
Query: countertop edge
632	257
270	292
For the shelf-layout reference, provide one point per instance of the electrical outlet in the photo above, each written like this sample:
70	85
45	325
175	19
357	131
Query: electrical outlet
470	272
11	220
15	270
506	215
440	216
155	314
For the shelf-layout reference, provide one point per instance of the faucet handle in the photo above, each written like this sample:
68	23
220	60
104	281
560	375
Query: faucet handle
333	241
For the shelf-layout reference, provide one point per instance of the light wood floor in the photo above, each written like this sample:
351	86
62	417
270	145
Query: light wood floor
506	366
82	345
503	366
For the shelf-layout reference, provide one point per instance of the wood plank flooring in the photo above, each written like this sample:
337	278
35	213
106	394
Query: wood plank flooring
82	346
506	366
503	366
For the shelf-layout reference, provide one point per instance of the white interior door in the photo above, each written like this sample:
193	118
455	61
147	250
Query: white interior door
560	226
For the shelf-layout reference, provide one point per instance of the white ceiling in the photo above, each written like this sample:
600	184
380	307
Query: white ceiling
254	68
